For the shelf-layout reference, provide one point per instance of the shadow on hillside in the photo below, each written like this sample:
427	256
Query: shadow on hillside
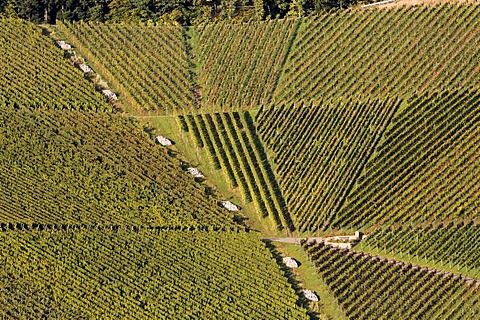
287	272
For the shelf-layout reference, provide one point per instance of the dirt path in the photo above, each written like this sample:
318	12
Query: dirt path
293	240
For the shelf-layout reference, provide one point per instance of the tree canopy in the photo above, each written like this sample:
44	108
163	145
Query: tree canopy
184	12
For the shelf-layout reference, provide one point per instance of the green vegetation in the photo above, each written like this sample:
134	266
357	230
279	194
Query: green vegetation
147	65
165	11
146	274
36	74
306	274
383	53
239	64
233	145
370	288
453	246
362	120
94	168
426	167
319	152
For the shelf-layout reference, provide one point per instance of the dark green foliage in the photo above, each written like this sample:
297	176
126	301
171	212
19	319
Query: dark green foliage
146	274
35	72
95	168
319	151
426	167
371	288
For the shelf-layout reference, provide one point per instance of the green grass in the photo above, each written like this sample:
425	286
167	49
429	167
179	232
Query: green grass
306	274
187	149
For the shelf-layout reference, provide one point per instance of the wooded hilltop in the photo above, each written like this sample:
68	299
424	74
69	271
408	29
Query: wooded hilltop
183	12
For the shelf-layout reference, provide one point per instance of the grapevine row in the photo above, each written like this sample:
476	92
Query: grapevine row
455	246
426	168
147	64
35	72
368	287
383	52
240	63
149	274
77	167
319	150
231	139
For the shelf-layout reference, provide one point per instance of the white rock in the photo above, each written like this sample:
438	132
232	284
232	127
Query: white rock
64	45
195	172
164	141
310	295
85	68
290	262
229	206
110	95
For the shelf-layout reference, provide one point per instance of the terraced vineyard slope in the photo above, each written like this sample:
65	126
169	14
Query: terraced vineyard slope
35	72
425	169
371	288
239	64
383	53
94	168
319	152
147	65
234	147
452	246
149	274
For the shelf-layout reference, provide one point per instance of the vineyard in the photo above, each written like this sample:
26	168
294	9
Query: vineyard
425	169
147	274
368	287
233	146
239	64
225	66
94	168
147	65
35	72
321	152
453	246
383	53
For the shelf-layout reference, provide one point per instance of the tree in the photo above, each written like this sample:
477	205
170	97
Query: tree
259	9
297	8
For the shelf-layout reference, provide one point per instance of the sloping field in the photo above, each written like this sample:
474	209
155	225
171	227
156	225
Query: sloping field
144	275
35	73
94	168
239	64
426	168
453	246
365	120
234	147
319	151
383	53
147	65
371	288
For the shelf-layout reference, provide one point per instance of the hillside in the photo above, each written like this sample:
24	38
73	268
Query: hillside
148	66
358	120
93	168
147	274
372	53
35	73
